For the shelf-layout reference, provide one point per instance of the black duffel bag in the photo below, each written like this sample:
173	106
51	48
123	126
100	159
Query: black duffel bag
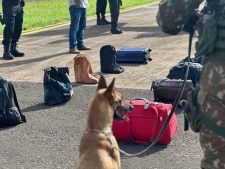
178	71
57	86
166	90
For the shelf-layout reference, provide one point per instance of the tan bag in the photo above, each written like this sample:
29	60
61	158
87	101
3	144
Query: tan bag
83	71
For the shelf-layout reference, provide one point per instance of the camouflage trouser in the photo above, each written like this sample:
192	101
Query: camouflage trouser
211	97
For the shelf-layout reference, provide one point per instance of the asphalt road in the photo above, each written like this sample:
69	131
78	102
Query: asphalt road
50	138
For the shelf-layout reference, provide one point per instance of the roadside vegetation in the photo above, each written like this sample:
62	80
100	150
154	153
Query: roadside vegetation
43	13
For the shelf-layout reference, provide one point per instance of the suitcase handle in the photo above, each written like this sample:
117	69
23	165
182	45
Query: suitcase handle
146	106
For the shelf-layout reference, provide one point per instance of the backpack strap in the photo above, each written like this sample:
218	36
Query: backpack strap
23	118
65	78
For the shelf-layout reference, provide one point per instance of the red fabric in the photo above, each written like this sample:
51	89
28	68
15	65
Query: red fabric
144	125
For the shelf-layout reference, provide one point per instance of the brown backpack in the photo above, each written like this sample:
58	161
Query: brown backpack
83	71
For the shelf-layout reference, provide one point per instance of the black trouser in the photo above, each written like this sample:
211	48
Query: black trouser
115	11
13	25
101	7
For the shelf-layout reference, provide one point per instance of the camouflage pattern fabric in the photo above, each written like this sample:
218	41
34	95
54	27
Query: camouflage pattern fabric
171	17
211	97
174	14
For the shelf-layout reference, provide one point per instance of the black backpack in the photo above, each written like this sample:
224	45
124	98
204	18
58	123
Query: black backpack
108	60
178	71
10	113
57	86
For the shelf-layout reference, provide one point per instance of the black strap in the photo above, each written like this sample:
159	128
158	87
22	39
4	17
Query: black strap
23	118
63	76
219	130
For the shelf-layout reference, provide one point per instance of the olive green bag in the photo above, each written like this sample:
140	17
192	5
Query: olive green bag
192	111
193	115
207	26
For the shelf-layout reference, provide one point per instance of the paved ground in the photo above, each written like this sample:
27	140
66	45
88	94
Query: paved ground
50	138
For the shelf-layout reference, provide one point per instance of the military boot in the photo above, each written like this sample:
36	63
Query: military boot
104	20
99	20
14	51
115	30
7	55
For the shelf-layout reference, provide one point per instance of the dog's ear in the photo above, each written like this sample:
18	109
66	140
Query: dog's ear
110	88
101	83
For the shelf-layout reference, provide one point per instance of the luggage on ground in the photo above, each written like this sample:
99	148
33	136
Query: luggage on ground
108	60
178	71
196	59
133	55
144	123
166	90
57	86
83	70
10	113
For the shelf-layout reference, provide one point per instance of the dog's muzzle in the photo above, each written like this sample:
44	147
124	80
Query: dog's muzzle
120	110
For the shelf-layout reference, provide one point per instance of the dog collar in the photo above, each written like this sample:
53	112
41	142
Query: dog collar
107	134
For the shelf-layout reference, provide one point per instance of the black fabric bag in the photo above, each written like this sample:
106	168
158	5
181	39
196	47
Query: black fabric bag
57	86
197	59
178	71
166	90
10	113
108	60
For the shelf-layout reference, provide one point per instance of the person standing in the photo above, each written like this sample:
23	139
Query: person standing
101	10
78	18
115	11
209	100
13	20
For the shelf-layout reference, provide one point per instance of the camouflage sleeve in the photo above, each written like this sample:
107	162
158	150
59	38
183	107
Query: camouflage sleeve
174	14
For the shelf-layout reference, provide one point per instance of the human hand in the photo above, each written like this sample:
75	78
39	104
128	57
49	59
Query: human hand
22	3
120	2
191	24
199	15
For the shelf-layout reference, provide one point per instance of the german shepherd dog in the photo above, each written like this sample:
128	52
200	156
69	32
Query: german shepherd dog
98	147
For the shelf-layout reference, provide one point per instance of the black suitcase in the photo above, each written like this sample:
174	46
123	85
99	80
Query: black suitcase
133	55
166	90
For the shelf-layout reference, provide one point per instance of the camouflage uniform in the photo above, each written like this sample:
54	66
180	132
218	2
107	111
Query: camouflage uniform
171	17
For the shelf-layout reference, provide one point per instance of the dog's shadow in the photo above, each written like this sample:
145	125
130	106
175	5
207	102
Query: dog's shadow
134	148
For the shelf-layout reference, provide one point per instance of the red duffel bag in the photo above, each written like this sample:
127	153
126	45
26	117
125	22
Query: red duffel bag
144	123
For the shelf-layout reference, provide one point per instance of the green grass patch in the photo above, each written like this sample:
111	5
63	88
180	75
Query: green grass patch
43	13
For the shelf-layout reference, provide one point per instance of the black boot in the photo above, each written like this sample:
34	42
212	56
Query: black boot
115	30
99	20
7	55
14	51
104	20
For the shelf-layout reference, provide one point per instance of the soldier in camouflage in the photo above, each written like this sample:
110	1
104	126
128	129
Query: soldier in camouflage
172	17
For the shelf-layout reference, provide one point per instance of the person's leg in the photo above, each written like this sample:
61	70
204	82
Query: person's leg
17	34
99	6
114	10
80	32
103	11
7	35
75	15
211	98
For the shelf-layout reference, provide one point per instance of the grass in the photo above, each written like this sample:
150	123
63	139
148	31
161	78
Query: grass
43	13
